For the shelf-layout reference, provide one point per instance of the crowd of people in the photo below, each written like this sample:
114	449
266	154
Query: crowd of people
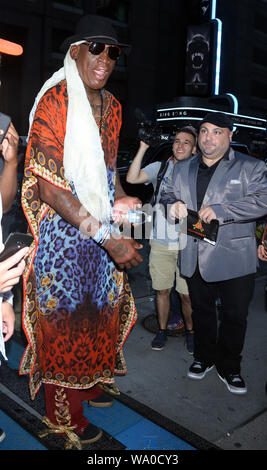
78	308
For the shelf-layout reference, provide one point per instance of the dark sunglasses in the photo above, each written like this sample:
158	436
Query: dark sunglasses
97	48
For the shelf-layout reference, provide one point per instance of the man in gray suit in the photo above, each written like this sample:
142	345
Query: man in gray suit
231	187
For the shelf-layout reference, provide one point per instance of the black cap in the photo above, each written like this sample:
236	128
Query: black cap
218	119
94	28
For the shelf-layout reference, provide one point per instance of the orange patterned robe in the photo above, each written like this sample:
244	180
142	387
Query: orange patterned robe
78	309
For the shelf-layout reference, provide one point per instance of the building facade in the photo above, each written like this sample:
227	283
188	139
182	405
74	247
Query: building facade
155	70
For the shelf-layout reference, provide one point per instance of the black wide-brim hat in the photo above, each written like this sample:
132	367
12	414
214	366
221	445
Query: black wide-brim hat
94	28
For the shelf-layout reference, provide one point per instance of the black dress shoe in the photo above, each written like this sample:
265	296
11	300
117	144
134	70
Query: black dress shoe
102	401
91	434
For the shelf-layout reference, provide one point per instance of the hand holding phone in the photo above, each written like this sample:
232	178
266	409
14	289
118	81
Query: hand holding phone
12	262
14	243
11	269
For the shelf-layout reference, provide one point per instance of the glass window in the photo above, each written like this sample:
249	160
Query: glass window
258	89
58	36
259	56
71	3
260	21
115	9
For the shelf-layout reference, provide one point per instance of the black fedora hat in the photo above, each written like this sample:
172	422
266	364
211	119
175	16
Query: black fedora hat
218	119
94	28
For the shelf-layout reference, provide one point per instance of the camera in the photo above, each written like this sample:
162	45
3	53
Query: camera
149	132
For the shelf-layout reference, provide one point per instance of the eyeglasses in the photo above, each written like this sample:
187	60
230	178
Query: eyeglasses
97	48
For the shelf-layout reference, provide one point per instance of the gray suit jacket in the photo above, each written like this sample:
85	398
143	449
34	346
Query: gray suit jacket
237	192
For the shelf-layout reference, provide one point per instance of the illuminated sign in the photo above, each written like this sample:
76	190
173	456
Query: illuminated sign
196	114
218	57
199	65
203	54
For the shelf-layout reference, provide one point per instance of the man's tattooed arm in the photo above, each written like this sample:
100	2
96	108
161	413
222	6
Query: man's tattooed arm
122	250
67	206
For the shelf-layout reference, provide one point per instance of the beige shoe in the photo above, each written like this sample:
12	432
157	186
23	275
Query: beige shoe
110	388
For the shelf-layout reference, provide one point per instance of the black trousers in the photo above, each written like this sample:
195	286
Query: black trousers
219	339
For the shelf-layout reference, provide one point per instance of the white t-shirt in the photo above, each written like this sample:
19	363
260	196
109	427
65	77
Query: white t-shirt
163	232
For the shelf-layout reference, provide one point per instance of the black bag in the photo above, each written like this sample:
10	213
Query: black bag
163	168
198	229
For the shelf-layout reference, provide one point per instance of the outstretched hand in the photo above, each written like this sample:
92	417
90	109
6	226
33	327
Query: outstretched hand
178	210
122	206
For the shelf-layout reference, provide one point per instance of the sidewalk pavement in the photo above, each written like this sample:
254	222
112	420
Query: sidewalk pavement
158	379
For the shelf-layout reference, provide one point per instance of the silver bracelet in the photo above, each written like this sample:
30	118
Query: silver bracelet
103	234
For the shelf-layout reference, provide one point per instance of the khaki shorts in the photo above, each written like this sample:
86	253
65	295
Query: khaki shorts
163	267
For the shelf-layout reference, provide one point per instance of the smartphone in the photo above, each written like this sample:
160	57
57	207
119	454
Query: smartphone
14	243
4	125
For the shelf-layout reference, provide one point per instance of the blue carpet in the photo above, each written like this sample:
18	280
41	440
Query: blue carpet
16	437
127	426
132	430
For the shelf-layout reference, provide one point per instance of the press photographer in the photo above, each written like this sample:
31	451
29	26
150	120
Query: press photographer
164	251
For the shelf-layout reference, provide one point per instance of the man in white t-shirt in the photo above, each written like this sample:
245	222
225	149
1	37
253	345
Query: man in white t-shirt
12	268
164	243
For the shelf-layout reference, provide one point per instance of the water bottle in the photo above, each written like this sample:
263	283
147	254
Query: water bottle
138	217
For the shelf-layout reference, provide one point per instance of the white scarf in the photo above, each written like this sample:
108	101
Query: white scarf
83	160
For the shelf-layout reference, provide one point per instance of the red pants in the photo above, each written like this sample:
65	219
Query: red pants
64	405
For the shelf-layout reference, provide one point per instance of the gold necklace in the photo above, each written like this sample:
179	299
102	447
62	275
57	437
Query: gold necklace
94	106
